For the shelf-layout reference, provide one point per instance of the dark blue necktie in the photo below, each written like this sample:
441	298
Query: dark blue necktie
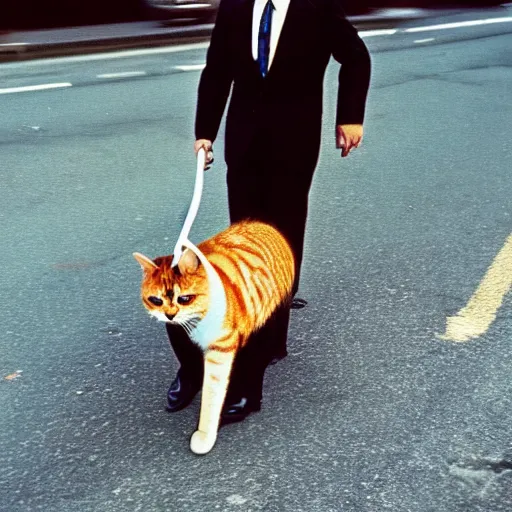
264	38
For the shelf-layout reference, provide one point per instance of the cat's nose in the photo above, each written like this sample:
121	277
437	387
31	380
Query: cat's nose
170	317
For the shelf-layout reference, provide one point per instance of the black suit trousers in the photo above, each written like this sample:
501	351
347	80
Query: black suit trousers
272	186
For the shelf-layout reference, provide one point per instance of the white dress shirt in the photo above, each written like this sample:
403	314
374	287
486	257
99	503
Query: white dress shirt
278	17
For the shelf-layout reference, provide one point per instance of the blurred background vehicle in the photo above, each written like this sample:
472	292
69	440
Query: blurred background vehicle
169	10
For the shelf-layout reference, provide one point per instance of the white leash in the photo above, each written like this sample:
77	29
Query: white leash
183	240
210	327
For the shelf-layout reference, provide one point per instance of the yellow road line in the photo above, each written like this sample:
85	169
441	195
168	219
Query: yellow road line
479	313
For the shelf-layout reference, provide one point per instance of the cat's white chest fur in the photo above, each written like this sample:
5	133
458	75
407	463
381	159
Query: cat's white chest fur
211	327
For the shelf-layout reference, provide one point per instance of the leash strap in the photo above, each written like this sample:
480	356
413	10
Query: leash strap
183	240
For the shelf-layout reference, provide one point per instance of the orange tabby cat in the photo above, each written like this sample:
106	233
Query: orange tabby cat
220	297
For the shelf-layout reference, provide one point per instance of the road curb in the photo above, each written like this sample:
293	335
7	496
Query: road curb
25	50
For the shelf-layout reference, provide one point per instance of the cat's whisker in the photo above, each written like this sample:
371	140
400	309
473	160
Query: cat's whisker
187	328
189	324
184	324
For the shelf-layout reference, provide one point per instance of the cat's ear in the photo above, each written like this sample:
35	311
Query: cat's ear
188	263
145	262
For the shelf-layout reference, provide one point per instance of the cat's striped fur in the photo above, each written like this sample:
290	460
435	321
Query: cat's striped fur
220	297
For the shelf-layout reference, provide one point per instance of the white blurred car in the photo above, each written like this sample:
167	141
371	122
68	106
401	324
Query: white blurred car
203	10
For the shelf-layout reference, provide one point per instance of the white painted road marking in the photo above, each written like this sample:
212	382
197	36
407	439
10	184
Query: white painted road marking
40	87
480	312
459	24
125	74
383	32
107	55
428	40
191	67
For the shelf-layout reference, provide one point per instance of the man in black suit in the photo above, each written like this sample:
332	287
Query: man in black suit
273	54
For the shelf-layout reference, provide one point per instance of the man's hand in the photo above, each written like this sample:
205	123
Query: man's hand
207	146
348	137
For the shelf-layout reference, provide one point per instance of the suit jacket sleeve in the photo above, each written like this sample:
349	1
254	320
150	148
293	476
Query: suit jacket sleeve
216	79
354	77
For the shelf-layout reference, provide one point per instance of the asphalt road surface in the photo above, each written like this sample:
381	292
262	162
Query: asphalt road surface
374	409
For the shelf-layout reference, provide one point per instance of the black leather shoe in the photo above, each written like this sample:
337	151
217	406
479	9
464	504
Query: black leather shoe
181	393
239	411
298	303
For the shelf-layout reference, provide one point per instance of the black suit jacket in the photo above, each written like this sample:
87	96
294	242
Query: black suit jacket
283	110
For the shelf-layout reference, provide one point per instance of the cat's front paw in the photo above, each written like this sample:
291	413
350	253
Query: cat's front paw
201	443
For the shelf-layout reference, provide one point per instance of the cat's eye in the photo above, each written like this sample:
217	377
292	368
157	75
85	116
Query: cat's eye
185	300
156	301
